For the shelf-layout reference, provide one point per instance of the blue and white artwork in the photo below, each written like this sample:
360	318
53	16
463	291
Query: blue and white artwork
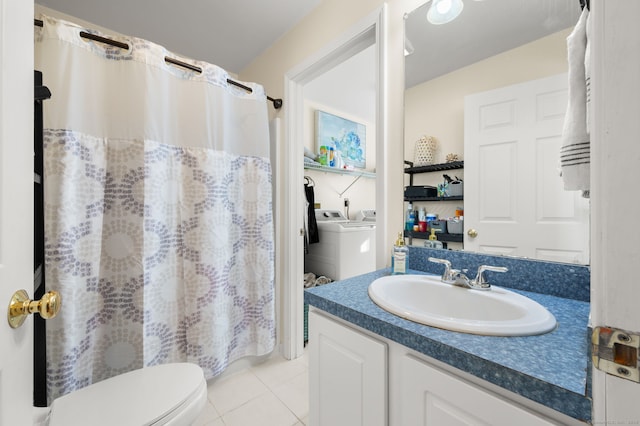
347	137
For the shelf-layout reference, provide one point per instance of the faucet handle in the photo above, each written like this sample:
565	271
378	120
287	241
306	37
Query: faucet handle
445	262
446	275
480	280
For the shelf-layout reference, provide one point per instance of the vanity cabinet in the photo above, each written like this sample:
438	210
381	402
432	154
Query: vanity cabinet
359	378
348	380
429	396
444	167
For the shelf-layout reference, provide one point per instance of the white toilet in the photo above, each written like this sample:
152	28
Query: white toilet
169	394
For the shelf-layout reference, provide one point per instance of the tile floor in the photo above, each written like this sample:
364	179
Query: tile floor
274	393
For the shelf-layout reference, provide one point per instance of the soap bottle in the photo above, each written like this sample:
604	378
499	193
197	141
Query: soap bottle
433	240
410	218
400	258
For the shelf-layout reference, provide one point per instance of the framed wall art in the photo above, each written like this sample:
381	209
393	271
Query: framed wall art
339	141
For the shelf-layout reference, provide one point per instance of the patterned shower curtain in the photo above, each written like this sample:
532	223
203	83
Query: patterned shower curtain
158	210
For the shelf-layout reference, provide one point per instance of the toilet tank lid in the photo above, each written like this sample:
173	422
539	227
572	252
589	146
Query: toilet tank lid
139	397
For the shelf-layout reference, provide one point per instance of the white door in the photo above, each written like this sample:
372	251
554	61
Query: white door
514	196
16	206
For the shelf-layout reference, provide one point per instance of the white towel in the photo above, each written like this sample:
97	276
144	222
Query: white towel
575	152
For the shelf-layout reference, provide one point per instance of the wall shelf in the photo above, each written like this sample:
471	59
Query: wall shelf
327	169
447	238
433	167
443	237
453	198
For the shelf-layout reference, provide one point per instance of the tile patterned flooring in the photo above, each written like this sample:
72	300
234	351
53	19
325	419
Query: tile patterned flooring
274	393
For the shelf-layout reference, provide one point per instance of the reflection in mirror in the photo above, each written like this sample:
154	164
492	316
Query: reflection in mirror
464	88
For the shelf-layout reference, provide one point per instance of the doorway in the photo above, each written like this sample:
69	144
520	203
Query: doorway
362	35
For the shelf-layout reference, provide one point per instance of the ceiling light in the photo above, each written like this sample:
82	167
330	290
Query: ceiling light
443	11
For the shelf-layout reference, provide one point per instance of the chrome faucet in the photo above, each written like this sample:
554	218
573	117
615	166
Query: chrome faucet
459	278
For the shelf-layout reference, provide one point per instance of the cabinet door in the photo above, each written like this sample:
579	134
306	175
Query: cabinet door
347	375
431	397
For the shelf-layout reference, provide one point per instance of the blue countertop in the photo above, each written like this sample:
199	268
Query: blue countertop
551	369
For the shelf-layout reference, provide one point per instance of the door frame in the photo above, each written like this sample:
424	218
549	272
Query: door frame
368	31
615	90
16	205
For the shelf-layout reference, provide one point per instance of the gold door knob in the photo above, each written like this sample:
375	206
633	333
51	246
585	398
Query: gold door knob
21	306
472	233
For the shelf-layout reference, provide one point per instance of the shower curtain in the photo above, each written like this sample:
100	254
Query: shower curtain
158	211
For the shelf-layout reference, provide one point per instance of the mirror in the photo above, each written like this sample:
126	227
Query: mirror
491	45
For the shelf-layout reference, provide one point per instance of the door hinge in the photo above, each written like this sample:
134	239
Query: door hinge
616	352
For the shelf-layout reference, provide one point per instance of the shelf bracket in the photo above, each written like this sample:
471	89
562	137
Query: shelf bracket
347	188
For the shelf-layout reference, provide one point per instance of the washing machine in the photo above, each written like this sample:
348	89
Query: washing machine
346	248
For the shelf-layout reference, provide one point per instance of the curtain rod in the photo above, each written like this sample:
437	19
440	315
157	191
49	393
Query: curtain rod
277	103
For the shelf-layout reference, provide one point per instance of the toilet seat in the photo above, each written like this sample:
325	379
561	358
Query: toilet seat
168	394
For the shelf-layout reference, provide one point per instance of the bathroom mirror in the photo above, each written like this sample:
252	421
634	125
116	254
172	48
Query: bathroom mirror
490	45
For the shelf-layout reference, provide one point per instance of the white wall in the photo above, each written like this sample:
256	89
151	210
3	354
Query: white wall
349	87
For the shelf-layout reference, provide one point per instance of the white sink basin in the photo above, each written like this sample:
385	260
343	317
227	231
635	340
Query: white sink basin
427	300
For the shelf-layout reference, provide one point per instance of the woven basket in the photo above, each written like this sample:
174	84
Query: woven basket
425	151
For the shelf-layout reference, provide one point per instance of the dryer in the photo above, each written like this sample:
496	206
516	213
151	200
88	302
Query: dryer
366	215
346	248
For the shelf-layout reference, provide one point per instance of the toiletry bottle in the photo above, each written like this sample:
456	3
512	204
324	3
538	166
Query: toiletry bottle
410	218
400	259
323	157
433	240
422	220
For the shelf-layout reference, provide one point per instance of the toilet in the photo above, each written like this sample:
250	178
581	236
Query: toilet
168	394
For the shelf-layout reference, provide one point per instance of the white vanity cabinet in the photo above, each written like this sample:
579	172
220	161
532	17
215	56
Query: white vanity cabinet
359	378
347	375
429	396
